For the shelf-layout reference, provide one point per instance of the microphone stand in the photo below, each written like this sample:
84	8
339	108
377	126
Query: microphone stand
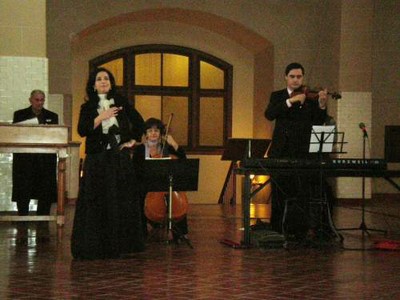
363	226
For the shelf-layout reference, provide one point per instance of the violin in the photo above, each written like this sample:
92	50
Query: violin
313	94
157	203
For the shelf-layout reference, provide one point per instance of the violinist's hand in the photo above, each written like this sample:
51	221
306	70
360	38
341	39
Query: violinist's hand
128	144
300	98
172	142
323	98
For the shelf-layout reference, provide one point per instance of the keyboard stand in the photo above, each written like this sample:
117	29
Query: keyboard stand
324	212
326	140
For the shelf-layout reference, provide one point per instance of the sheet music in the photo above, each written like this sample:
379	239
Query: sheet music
33	121
328	136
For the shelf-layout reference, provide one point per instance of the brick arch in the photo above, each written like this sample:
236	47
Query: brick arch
230	29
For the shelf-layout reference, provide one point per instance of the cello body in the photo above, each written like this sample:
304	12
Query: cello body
156	206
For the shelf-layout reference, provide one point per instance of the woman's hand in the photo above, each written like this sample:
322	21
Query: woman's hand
172	142
109	113
128	144
106	114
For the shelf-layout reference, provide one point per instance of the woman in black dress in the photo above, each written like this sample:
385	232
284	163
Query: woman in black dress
107	219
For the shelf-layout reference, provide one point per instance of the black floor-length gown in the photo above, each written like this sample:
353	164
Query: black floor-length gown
108	214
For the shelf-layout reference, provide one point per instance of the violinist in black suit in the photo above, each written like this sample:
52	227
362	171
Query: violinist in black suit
35	175
294	115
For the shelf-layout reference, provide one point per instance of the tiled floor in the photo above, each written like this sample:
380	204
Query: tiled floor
36	263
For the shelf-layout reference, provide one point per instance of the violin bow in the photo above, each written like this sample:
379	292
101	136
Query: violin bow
166	133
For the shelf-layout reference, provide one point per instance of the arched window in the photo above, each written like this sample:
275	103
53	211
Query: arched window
163	79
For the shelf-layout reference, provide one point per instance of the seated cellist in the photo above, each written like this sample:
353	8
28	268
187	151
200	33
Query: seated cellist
159	144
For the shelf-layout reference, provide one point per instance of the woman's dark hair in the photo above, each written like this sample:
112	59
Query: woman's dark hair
153	122
292	66
90	91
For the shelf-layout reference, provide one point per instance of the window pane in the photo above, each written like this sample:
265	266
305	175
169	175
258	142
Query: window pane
161	108
211	77
175	70
211	121
179	106
116	67
148	69
148	106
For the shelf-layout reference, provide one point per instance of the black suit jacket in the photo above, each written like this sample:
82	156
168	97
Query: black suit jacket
293	125
34	175
46	117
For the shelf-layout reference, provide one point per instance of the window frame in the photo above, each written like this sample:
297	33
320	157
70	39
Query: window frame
193	91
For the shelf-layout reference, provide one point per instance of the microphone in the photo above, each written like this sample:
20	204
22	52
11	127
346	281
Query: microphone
363	128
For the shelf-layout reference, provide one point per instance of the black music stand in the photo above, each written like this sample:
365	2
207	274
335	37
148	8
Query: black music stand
323	141
363	226
168	175
240	149
237	149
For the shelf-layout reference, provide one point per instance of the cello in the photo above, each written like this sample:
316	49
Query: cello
156	205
